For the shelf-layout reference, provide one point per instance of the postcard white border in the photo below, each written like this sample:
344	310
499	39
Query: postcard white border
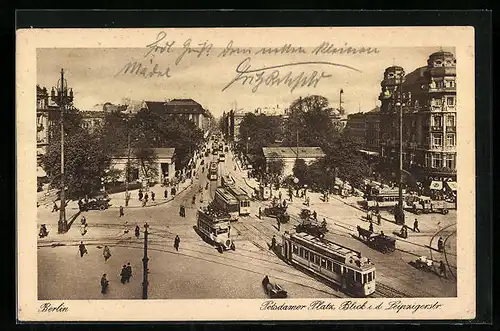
28	40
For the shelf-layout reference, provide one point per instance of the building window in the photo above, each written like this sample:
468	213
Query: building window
427	160
437	121
437	140
450	120
450	101
437	161
450	139
450	161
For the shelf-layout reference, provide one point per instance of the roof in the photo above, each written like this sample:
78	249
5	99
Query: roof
161	153
156	106
291	152
92	114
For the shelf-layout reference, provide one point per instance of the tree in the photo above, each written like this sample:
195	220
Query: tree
309	123
85	162
301	172
258	131
147	161
275	167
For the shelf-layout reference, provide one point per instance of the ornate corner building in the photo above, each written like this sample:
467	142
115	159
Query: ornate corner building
427	99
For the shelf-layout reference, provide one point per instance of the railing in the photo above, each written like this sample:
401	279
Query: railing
451	128
436	128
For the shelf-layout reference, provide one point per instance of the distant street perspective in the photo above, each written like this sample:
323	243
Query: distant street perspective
166	199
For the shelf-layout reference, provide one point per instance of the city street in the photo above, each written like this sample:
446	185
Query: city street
199	271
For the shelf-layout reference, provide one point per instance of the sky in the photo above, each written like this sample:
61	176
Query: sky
93	73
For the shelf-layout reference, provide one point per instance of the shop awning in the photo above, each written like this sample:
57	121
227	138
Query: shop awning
436	185
452	185
40	172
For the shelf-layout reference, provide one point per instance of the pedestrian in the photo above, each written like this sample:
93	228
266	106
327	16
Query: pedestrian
165	193
315	215
106	253
104	284
370	227
146	197
307	201
129	272
125	228
83	220
415	226
140	195
369	215
442	269
279	223
273	243
260	213
80	205
377	208
152	196
177	241
440	244
82	249
382	233
284	203
123	274
121	211
379	219
137	231
54	207
83	229
279	195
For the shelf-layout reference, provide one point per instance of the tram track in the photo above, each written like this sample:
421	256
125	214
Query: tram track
431	249
225	260
386	291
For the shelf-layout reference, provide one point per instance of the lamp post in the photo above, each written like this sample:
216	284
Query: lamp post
248	139
127	174
400	104
62	97
145	261
296	182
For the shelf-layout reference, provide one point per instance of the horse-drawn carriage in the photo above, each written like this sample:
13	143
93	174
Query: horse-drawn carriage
311	225
380	242
278	212
273	290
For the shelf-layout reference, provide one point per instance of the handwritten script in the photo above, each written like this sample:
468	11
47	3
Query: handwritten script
274	76
290	75
49	308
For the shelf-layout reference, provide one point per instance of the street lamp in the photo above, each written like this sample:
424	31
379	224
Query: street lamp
248	139
62	97
296	182
400	104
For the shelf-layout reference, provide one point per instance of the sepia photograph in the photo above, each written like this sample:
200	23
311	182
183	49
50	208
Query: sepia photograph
194	167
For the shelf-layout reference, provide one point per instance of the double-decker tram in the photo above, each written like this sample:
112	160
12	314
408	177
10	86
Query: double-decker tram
215	228
331	261
242	197
225	201
213	171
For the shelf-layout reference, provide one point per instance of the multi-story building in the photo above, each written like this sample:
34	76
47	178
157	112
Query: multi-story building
427	99
181	107
356	127
47	115
372	134
232	121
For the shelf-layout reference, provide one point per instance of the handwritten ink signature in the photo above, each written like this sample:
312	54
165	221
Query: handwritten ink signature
203	49
158	46
139	69
271	76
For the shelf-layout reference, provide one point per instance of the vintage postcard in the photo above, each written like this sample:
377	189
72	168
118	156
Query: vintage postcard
202	174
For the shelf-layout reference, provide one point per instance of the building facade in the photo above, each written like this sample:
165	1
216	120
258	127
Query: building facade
165	164
427	99
181	107
290	154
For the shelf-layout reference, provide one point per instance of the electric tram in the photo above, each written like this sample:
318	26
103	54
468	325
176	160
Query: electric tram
331	261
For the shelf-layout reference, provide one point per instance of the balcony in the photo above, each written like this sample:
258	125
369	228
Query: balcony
451	128
436	128
436	89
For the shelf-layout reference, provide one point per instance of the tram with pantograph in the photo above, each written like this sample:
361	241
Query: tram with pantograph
331	261
214	227
225	201
213	171
242	197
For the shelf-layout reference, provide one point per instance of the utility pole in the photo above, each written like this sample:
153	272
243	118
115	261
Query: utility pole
128	165
400	218
340	100
145	261
297	143
62	98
